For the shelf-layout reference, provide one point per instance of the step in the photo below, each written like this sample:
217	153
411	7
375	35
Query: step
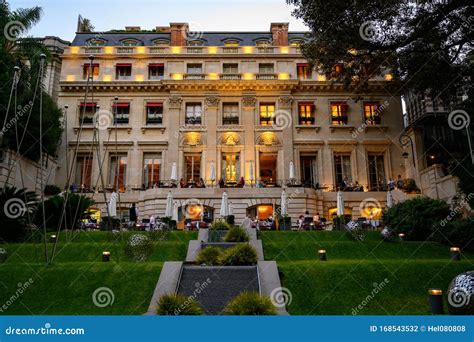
214	286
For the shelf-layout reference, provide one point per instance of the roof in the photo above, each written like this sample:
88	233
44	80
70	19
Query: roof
209	38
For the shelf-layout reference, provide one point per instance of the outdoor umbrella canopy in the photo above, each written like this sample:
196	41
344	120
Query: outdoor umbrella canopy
389	199
175	212
340	204
169	205
251	171
174	172
113	204
224	205
231	209
283	207
213	172
292	170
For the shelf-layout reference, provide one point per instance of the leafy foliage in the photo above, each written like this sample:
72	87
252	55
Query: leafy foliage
17	207
239	255
457	233
464	171
220	225
236	234
51	190
418	218
250	304
178	305
209	256
138	248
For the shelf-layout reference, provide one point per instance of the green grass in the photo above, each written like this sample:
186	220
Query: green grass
341	284
66	287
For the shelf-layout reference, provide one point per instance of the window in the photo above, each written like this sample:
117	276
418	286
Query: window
309	171
196	43
194	69
231	68
263	43
87	112
123	71
86	73
83	171
268	168
306	113
129	42
118	172
296	42
96	42
154	113
193	114
230	171
231	43
376	172
371	113
303	71
151	169
339	113
161	42
267	113
265	68
230	114
156	71
121	112
192	171
342	170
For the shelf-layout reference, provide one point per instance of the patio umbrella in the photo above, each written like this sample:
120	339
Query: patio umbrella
389	199
340	204
283	207
213	172
231	209
169	205
113	204
175	212
174	172
251	171
292	171
224	205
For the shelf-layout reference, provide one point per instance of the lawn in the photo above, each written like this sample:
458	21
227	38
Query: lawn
402	272
66	287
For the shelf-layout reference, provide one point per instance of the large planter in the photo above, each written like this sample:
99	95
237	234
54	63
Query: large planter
216	235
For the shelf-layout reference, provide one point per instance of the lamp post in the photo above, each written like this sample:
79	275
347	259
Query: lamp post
404	140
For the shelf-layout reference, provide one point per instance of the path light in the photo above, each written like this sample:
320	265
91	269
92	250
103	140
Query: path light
53	238
322	255
455	253
436	301
401	236
105	256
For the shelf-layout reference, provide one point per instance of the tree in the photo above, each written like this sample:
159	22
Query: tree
22	129
417	41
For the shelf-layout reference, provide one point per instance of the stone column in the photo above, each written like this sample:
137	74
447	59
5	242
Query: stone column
248	120
174	112
284	120
211	106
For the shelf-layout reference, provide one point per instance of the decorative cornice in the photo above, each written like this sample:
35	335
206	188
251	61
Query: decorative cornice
249	101
212	101
175	102
285	101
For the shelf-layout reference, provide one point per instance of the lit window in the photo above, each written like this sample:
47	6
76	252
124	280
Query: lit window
156	71
371	113
121	112
85	70
118	172
230	115
193	114
123	71
339	113
267	114
342	170
151	170
154	113
231	43
296	43
306	113
303	71
83	171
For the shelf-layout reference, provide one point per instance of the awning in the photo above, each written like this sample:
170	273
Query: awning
305	103
302	64
154	104
124	64
94	65
121	104
88	104
156	64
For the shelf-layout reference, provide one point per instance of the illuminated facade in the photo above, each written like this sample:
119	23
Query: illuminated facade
245	104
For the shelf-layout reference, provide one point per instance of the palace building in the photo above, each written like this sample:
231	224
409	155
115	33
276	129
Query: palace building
150	109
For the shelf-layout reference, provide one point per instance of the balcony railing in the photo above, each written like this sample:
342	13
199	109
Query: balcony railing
266	76
125	49
157	49
194	76
194	49
265	49
93	49
230	76
230	50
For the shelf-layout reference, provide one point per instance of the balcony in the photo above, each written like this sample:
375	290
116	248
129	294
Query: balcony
265	49
230	50
230	76
194	76
195	49
157	49
93	50
125	49
267	76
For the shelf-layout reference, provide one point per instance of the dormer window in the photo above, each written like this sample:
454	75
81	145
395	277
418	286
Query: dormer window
195	43
263	43
130	42
161	42
231	43
296	42
96	42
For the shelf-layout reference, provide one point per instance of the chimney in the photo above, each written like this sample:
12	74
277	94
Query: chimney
279	34
179	33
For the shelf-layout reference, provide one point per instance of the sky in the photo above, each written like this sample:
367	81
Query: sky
60	16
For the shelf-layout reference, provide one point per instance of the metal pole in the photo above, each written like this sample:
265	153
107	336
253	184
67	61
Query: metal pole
468	131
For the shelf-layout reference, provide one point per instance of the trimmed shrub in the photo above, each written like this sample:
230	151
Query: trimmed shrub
355	231
250	304
178	305
236	234
158	235
138	247
209	256
239	255
457	233
220	225
416	218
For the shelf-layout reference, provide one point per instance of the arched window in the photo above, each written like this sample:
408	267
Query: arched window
96	42
161	42
196	42
130	42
